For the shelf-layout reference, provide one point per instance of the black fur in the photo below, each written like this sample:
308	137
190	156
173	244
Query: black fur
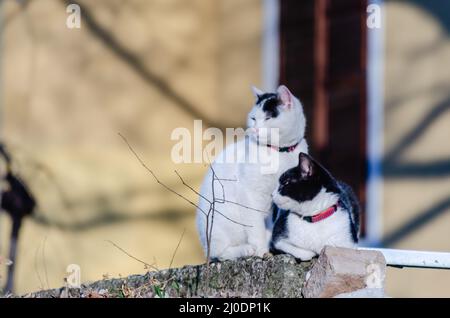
269	103
305	188
274	210
350	202
265	96
279	230
301	185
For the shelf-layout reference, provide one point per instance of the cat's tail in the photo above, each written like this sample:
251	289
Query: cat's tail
354	209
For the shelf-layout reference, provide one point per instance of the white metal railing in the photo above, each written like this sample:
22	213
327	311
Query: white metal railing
411	258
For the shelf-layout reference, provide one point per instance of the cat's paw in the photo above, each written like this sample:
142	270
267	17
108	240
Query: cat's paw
247	250
304	256
267	255
261	252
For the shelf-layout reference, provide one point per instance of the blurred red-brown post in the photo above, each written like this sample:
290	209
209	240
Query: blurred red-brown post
323	60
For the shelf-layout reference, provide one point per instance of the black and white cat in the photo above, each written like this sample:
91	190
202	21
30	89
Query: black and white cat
313	209
252	187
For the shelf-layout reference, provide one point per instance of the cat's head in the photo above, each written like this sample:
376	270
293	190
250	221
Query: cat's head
280	110
304	183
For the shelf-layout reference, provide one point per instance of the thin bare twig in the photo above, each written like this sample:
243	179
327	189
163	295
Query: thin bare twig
147	265
171	190
224	179
212	203
153	174
221	200
44	262
36	269
176	249
245	207
221	184
191	188
211	211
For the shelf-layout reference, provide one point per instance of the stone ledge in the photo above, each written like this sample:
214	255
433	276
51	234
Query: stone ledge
277	276
338	272
343	271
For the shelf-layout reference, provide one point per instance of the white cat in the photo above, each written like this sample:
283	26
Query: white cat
239	226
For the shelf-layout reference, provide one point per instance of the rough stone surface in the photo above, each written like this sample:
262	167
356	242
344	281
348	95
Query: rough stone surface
338	272
277	276
364	293
343	270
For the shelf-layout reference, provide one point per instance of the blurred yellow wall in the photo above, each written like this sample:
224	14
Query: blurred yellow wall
160	64
417	131
141	68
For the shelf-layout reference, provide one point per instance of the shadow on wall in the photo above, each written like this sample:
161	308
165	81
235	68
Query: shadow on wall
138	66
111	218
396	168
439	10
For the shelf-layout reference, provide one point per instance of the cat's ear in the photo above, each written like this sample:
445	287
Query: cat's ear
257	92
285	96
305	164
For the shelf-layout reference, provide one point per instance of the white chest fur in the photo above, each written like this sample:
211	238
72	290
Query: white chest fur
334	231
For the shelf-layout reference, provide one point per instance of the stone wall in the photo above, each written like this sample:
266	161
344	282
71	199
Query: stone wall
338	272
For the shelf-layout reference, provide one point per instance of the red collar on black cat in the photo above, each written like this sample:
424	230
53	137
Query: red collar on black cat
283	149
320	216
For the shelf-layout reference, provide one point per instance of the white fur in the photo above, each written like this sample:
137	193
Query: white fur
252	188
304	239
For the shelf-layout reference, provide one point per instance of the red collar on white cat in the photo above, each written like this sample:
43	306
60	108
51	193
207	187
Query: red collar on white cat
320	216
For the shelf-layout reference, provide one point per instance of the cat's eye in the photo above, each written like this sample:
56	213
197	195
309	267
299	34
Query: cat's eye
267	118
253	118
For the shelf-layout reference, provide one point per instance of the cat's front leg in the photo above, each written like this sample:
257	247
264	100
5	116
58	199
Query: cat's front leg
255	228
253	216
257	236
297	252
